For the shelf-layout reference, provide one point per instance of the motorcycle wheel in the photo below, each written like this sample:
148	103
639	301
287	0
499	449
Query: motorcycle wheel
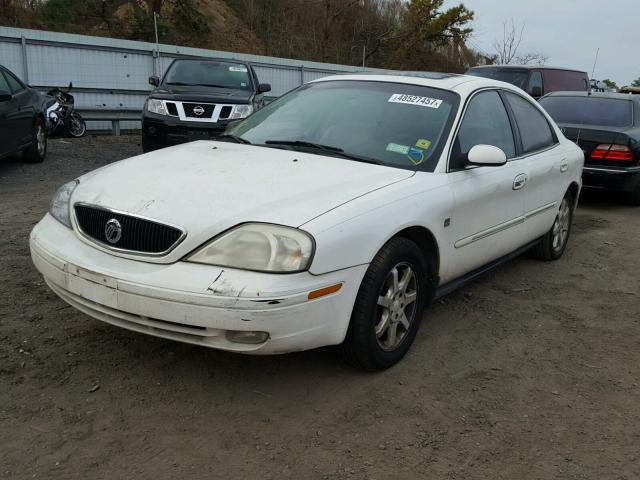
76	126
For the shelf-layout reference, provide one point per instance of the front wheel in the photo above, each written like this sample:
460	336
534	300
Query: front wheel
76	125
554	242
388	308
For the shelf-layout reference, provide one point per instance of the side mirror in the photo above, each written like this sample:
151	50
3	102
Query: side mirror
487	156
154	80
5	96
536	92
264	88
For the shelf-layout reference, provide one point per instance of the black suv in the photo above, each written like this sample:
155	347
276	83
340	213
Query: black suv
197	99
22	119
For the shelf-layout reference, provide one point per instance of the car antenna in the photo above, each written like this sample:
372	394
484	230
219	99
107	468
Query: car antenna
593	72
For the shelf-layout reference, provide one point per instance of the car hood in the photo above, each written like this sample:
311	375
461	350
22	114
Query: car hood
208	187
202	94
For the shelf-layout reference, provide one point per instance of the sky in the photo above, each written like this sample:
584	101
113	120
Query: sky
568	32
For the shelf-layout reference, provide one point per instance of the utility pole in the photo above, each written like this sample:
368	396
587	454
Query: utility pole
155	27
594	63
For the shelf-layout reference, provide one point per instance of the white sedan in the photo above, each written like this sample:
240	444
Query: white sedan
333	216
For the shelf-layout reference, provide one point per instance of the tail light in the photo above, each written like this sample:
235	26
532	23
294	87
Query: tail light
612	152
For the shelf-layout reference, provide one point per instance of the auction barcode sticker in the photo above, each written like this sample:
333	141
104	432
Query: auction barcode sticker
415	100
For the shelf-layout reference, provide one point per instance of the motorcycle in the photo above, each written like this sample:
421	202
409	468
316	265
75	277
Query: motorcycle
61	115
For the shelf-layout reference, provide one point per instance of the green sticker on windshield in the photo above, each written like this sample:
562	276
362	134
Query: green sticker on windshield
423	143
397	148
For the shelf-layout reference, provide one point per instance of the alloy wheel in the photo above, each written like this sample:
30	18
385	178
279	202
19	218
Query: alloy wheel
396	309
561	226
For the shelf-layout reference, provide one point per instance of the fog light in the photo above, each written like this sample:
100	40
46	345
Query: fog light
252	338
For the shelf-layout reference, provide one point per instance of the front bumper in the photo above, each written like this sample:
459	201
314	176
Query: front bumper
159	131
621	179
194	303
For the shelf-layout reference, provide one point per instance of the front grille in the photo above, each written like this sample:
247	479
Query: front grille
137	234
206	109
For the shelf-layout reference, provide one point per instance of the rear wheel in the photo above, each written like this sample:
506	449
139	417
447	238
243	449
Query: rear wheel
37	151
633	197
77	127
554	242
388	308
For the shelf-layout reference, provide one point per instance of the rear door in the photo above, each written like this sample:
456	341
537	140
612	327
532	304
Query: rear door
548	168
488	216
8	140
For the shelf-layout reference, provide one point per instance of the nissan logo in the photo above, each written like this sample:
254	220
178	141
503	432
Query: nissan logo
198	110
113	230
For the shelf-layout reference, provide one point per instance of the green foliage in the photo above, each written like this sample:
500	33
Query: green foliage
636	82
610	83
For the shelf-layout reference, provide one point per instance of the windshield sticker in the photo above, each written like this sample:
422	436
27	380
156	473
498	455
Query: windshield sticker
416	155
415	100
396	148
243	84
423	143
238	69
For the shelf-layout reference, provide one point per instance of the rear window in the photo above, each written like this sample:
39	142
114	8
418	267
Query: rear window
608	112
514	76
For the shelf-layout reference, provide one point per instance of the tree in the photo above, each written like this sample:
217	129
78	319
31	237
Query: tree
427	33
636	82
610	84
507	48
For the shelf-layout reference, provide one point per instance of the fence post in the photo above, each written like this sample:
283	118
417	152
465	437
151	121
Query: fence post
25	64
301	74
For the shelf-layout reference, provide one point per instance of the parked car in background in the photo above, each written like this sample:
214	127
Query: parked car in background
634	90
341	210
22	119
607	128
197	99
536	81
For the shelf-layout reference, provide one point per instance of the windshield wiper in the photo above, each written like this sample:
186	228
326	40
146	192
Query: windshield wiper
233	138
325	148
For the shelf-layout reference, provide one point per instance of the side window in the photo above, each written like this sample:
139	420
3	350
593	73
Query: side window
14	83
4	85
485	122
535	81
535	131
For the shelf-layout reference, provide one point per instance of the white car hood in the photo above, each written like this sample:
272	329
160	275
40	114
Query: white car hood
208	187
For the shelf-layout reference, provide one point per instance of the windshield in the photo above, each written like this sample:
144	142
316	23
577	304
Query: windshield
393	124
208	73
609	112
513	76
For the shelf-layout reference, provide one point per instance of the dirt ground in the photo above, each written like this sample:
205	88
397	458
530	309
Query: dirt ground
532	372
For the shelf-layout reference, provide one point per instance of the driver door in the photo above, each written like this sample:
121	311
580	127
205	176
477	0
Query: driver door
8	137
488	215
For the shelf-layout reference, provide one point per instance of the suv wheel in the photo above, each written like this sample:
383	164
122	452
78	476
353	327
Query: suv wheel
388	308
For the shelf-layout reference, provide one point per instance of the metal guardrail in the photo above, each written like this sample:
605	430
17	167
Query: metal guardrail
110	75
113	115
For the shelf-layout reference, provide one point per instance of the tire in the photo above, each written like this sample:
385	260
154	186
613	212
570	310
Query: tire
381	302
554	243
76	125
37	151
632	198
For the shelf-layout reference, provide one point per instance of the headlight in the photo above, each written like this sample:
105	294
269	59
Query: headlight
241	111
156	106
60	203
260	247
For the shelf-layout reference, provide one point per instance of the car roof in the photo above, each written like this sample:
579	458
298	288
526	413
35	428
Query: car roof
610	95
445	81
529	67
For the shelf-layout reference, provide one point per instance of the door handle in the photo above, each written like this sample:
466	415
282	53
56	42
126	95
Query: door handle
520	181
564	166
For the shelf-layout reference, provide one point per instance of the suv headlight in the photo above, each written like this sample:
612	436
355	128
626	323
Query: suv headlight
260	247
60	208
241	111
156	106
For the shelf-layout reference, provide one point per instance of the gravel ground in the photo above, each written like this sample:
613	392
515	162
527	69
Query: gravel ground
532	372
